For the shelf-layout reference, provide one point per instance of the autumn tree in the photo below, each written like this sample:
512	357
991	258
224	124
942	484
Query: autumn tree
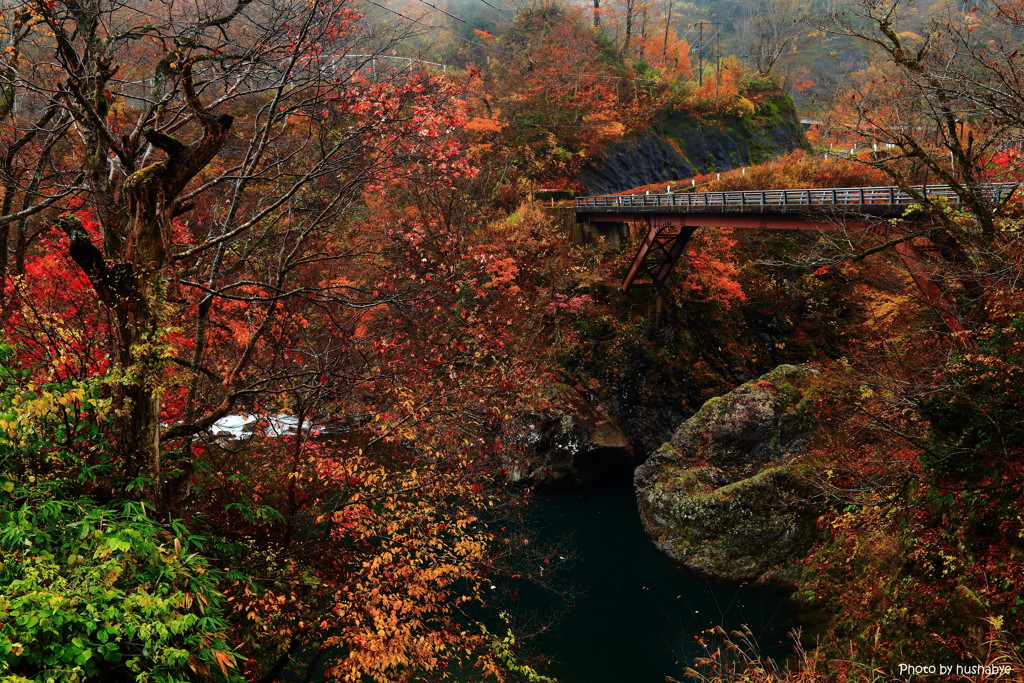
560	94
31	136
250	222
629	11
939	96
182	205
669	6
917	445
939	104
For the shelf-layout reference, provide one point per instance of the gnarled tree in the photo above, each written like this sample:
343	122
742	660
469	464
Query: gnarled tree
215	145
940	102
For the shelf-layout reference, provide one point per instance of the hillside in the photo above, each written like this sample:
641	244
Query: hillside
302	377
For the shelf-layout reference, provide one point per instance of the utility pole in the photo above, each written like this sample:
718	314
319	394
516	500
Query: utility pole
717	38
718	54
700	53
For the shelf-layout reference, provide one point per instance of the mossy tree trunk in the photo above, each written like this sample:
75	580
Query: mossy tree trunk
135	216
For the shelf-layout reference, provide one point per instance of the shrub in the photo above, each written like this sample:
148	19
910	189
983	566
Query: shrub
91	590
103	592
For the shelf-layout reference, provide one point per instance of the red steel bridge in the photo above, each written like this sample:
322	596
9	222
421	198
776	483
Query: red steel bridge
672	218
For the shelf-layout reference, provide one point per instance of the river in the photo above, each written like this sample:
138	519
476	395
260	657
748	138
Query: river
635	613
624	612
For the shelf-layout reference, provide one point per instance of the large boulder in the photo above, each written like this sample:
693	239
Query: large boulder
724	496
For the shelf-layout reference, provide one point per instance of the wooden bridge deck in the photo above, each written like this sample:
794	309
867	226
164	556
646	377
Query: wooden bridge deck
672	218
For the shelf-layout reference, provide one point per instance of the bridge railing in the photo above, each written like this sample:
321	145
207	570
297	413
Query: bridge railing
838	196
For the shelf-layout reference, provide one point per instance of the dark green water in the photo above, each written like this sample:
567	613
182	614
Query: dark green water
635	613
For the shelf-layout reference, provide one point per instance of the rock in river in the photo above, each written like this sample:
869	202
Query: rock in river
577	444
723	496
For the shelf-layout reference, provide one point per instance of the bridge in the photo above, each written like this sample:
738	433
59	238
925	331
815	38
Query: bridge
672	218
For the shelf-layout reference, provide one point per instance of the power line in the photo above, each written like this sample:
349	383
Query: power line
701	45
688	32
498	9
449	14
442	28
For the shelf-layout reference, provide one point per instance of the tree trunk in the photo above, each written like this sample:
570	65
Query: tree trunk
131	291
629	27
129	277
668	27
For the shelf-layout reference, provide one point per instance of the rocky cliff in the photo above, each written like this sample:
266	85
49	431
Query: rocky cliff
575	444
679	145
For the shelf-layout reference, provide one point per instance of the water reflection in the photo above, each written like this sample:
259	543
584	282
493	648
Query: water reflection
635	613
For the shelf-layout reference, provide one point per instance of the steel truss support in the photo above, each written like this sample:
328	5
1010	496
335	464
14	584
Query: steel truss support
661	247
667	236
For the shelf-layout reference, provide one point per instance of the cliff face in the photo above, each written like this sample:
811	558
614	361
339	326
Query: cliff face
679	146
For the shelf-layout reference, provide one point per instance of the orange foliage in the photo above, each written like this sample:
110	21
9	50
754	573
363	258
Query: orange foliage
670	59
795	171
561	101
721	94
711	268
799	80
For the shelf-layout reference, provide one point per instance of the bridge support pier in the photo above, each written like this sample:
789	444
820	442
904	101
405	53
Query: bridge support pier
615	233
658	252
666	239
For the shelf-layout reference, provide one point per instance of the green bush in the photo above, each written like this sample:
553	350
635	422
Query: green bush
51	430
759	85
91	590
103	592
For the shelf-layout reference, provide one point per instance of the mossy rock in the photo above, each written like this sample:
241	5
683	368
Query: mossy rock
755	424
679	145
724	496
747	530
